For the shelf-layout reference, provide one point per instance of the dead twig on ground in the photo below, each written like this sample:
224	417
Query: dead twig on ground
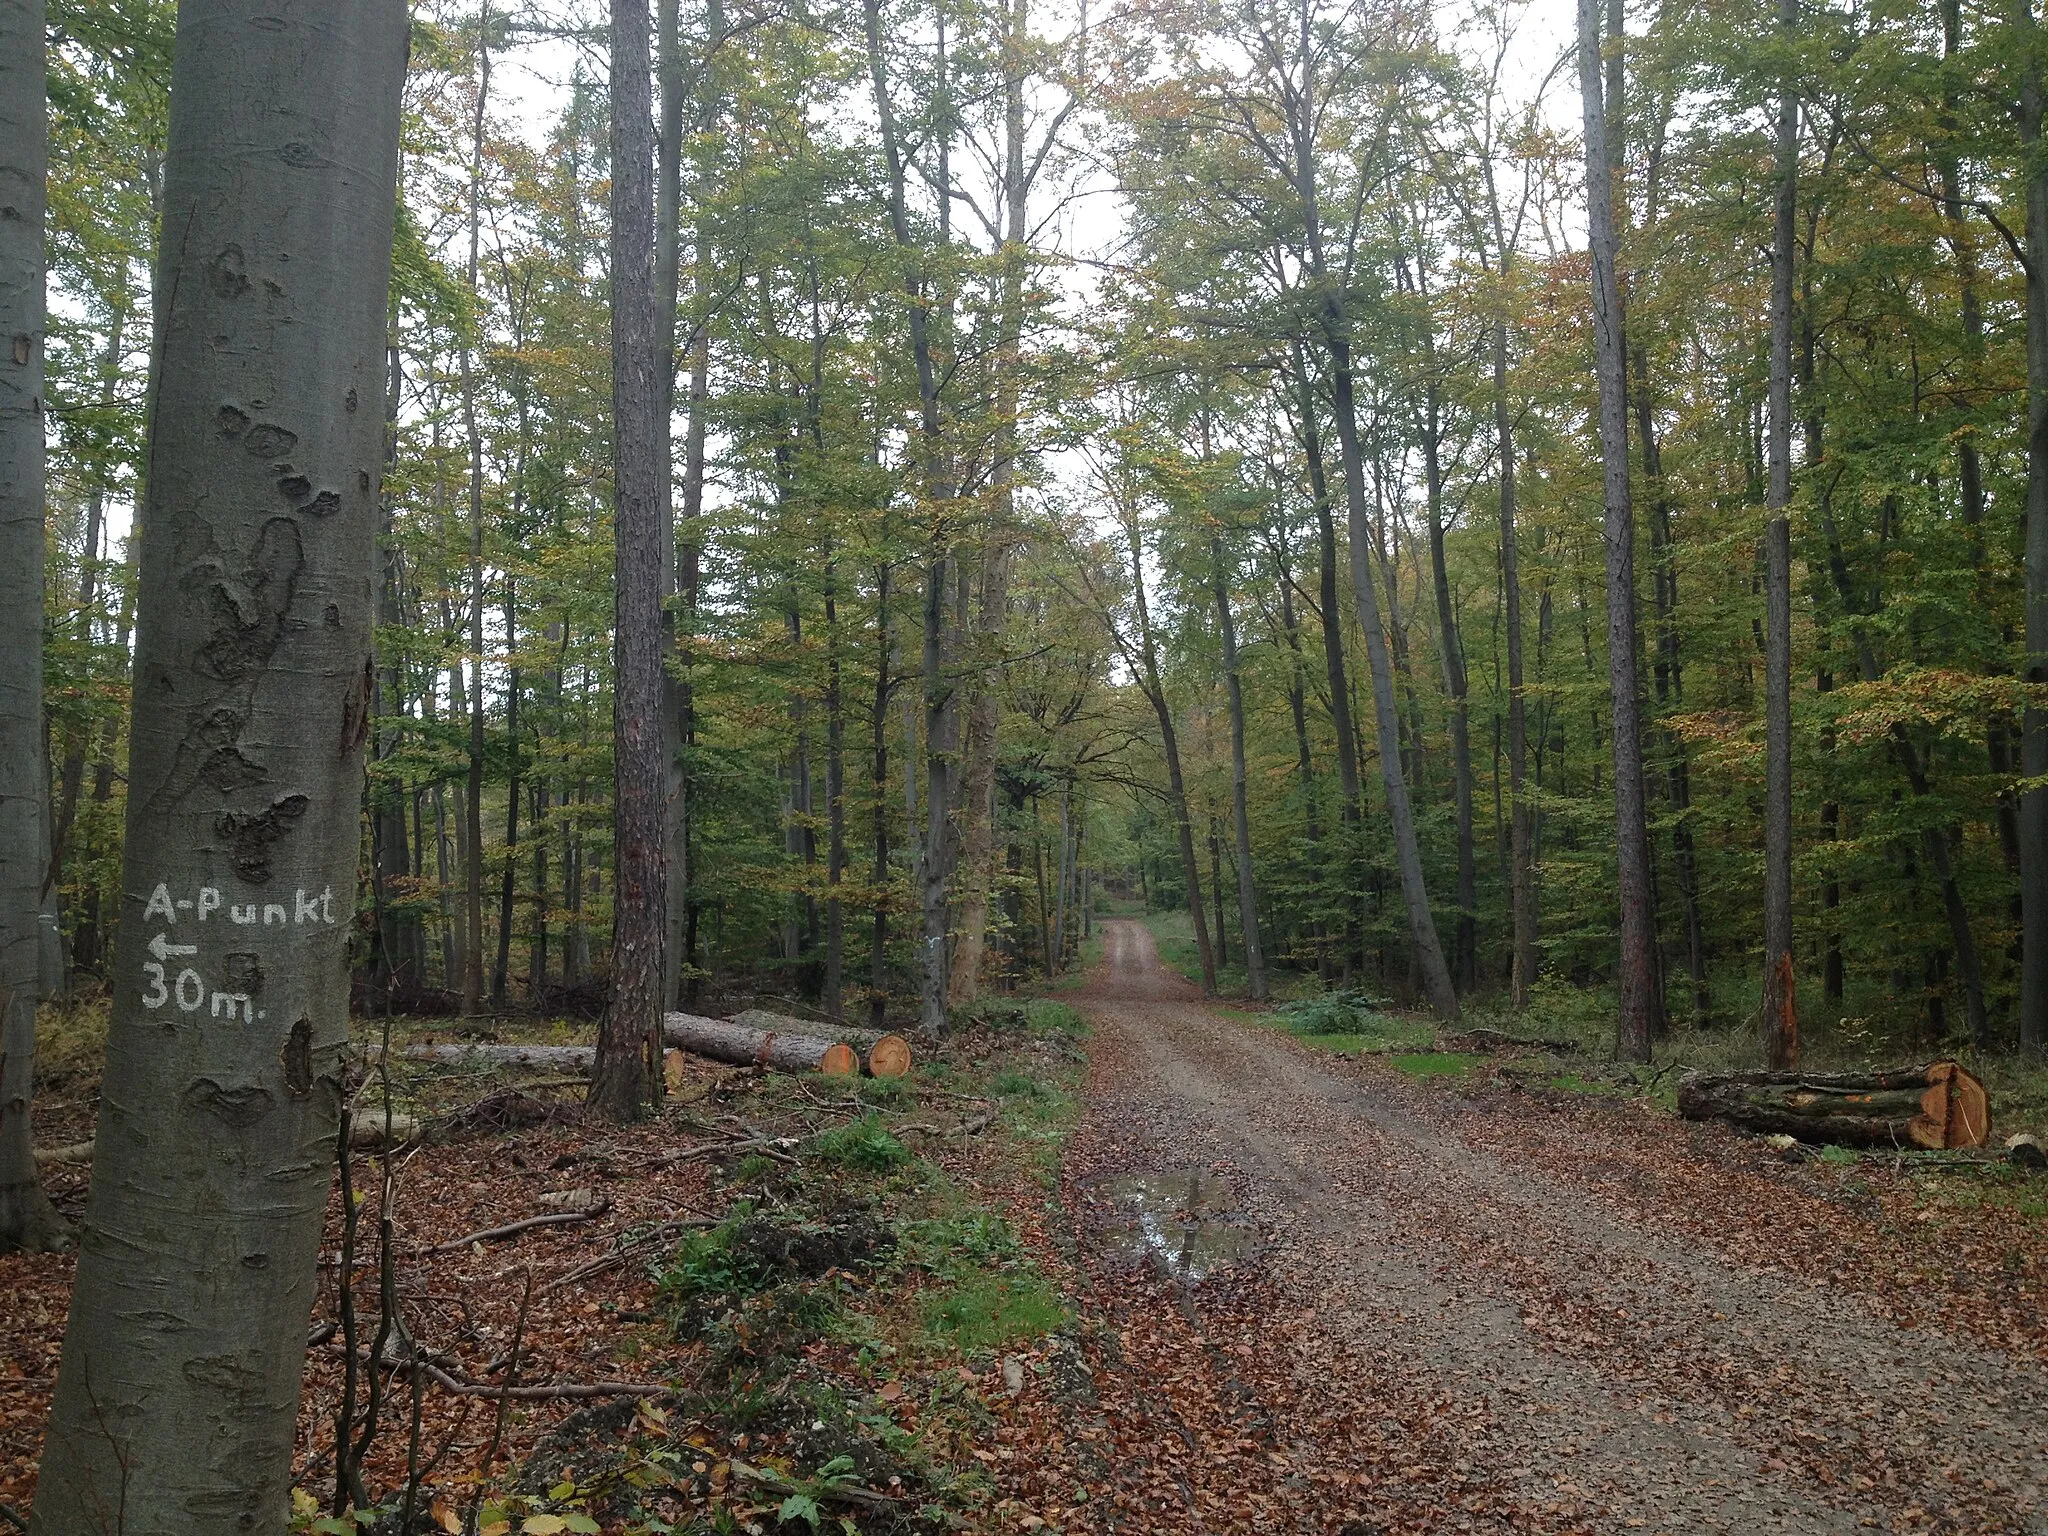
514	1228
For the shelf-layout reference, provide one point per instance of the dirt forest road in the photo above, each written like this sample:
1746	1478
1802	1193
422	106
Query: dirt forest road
1491	1312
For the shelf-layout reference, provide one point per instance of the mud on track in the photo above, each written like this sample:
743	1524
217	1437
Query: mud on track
1475	1315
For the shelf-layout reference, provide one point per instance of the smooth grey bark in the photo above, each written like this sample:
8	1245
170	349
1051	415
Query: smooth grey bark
27	1220
1521	832
2034	724
1247	897
177	1395
1465	951
627	1074
1301	107
473	802
1640	1016
1146	666
1780	1015
977	802
941	701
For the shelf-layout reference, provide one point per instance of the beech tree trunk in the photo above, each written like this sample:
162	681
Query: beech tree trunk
941	701
1780	1009
473	803
177	1396
1640	1016
1521	832
2034	725
27	1220
1247	896
628	1070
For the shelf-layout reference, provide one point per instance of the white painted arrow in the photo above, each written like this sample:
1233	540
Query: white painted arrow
163	949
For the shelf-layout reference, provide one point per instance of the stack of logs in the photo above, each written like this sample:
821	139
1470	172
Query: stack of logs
1937	1106
755	1038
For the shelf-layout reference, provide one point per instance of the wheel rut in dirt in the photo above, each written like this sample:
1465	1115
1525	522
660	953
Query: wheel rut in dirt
1460	1318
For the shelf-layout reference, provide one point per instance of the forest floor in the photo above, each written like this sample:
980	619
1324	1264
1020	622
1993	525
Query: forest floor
1171	1270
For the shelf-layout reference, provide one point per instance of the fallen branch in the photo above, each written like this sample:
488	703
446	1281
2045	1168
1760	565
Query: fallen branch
767	1146
562	1389
626	1247
973	1127
514	1228
844	1493
1484	1041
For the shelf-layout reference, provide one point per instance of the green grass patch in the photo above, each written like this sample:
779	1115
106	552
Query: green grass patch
989	1311
865	1146
1423	1065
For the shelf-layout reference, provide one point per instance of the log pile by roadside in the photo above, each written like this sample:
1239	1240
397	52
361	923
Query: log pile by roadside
1936	1106
753	1039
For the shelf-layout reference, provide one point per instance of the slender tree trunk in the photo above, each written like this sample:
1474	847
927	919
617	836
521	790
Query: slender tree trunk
27	1219
1155	691
1520	830
1247	898
977	830
507	890
942	725
1640	1017
835	805
473	808
627	1072
1465	951
878	746
176	1401
401	942
1780	1011
2034	726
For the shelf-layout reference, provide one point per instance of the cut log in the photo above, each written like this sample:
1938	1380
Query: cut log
741	1046
1939	1105
365	1134
889	1056
527	1058
762	1019
878	1055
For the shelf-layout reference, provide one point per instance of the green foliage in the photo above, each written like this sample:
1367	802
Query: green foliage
990	1311
1424	1065
865	1146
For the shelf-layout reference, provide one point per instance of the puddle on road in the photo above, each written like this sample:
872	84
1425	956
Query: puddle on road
1182	1220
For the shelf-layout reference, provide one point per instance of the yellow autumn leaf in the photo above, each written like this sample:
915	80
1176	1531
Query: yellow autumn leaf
544	1525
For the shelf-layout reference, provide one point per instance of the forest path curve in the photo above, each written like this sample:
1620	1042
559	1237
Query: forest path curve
1466	1318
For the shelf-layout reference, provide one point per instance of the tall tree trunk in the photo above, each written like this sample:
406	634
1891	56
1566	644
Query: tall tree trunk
508	889
1640	1017
1247	897
401	940
176	1401
1155	691
878	746
473	806
627	1071
1520	830
27	1219
941	704
2034	725
977	802
1465	950
1780	1011
835	804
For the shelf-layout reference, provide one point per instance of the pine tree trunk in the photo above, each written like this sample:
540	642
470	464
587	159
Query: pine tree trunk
176	1401
1641	1010
1247	896
1780	1010
2034	726
27	1220
627	1074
